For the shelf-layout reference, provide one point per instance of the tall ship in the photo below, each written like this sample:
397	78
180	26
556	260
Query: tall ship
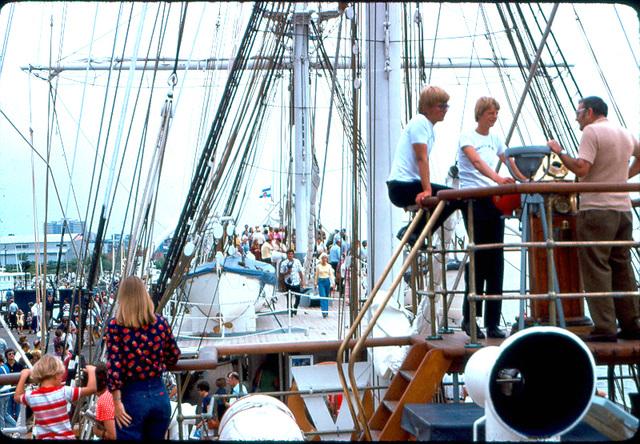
173	140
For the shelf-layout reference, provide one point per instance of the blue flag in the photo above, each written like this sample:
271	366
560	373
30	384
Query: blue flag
266	192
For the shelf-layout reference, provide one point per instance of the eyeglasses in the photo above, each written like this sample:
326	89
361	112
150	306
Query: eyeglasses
443	107
578	111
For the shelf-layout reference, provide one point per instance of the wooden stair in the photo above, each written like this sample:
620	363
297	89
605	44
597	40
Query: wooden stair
416	381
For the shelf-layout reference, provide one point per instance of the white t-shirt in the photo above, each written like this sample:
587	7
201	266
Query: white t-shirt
35	309
405	163
488	148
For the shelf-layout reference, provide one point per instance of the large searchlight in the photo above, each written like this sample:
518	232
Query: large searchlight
536	386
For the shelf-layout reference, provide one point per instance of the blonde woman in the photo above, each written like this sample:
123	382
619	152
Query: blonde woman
325	282
139	347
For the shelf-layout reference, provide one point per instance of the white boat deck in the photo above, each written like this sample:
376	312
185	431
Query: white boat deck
278	326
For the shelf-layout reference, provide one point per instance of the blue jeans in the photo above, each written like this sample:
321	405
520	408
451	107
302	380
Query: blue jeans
13	407
147	402
324	290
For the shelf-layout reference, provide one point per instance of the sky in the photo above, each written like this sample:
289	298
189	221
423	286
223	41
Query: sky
35	37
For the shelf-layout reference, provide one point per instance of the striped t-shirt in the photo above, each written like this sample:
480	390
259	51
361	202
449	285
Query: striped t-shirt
49	405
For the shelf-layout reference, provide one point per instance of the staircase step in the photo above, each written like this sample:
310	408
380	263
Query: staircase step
390	405
412	384
375	435
408	374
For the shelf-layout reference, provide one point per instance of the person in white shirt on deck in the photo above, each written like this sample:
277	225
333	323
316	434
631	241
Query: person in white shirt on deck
479	153
409	180
292	270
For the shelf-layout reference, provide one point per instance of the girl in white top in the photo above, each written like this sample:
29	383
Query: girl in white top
479	153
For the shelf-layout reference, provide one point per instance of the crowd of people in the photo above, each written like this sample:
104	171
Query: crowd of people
131	385
139	346
263	242
136	393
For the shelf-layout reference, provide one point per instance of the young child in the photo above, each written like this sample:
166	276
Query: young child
30	321
49	401
20	321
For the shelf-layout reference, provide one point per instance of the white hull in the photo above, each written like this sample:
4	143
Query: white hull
223	300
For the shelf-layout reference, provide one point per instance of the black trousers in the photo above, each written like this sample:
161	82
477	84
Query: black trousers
403	194
488	228
296	290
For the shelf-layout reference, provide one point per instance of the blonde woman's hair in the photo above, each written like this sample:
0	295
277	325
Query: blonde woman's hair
430	96
47	367
135	307
484	103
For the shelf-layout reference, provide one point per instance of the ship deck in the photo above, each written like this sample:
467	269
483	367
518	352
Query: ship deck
279	332
457	346
275	325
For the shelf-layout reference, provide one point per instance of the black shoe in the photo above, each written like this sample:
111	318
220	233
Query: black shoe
599	337
633	335
495	332
453	265
413	237
466	328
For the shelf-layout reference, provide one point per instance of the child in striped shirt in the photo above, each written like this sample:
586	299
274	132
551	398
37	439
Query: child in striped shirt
49	401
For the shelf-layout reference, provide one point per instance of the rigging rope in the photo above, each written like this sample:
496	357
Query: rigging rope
633	54
435	39
408	57
599	69
5	41
334	74
149	198
188	223
71	190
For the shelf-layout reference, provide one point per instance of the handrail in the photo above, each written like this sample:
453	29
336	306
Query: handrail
442	197
294	347
359	317
414	251
207	360
538	188
208	356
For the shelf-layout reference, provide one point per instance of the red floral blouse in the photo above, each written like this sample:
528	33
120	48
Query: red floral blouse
140	353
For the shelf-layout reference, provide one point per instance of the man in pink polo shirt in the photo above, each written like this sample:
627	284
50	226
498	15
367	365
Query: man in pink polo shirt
603	156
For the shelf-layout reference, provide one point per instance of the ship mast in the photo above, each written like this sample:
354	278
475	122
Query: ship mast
301	119
383	80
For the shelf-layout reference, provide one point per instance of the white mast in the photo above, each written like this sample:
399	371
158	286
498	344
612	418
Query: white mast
383	80
302	159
